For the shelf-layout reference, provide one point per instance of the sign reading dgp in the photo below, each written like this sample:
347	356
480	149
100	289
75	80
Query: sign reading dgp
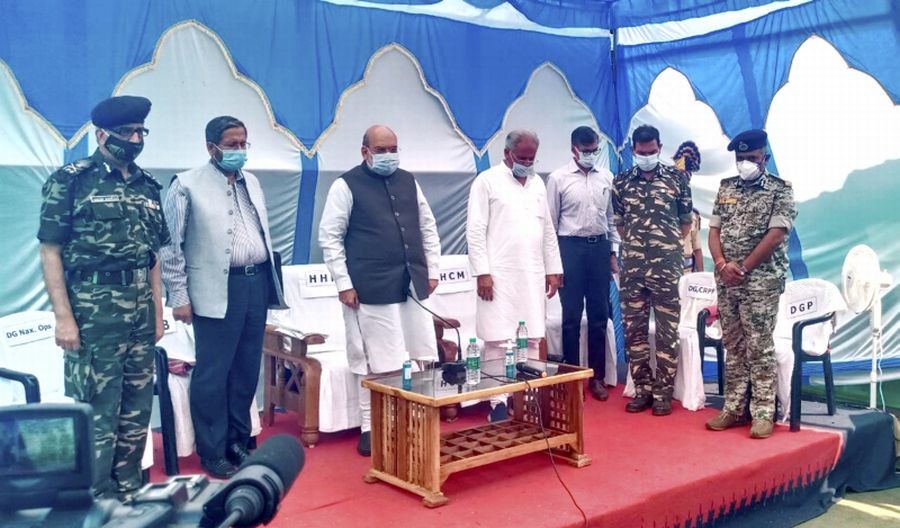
804	307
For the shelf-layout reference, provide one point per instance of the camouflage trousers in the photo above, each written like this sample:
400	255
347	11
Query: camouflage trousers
113	372
748	314
637	294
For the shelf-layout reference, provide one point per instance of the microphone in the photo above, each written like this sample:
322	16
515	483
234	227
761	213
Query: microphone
452	372
253	494
530	372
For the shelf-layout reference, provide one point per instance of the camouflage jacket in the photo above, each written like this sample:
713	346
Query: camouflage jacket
101	221
651	213
745	211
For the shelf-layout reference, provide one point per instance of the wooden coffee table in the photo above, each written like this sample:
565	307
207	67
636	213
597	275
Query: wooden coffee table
409	450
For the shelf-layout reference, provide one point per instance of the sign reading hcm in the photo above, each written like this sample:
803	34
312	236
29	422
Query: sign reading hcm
19	333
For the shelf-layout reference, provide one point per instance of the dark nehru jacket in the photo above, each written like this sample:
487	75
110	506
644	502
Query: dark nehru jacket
384	240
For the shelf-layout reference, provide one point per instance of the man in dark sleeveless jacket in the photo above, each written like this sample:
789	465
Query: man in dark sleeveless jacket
380	242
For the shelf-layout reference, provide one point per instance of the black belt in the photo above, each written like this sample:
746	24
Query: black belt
249	270
589	239
120	277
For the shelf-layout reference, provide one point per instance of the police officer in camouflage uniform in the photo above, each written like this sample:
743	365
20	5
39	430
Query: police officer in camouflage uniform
652	205
751	218
101	228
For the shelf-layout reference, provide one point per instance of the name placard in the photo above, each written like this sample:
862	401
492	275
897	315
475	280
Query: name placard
17	334
801	308
700	291
316	281
455	279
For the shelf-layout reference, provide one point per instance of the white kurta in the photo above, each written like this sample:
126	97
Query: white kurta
511	238
379	337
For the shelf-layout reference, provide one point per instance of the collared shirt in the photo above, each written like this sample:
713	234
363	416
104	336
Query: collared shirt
248	245
102	221
581	204
336	220
745	211
651	213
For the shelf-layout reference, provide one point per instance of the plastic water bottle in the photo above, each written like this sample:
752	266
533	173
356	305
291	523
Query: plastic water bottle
510	358
473	363
521	343
407	375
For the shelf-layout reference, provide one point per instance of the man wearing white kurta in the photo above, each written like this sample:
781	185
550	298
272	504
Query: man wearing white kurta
380	243
512	250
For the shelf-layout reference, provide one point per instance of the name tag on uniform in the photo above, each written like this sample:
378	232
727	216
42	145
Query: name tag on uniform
151	204
105	198
728	201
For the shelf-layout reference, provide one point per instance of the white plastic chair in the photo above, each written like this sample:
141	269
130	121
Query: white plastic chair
802	300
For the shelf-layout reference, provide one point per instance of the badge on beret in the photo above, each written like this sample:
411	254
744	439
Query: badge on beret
743	147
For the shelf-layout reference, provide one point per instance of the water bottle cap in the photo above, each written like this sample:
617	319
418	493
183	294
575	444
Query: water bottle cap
521	322
472	340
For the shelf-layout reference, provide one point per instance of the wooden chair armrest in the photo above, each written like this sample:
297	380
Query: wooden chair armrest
446	322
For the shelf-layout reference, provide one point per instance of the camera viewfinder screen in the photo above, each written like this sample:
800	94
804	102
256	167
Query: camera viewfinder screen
37	446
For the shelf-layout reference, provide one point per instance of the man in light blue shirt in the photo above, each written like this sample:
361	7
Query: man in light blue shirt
580	199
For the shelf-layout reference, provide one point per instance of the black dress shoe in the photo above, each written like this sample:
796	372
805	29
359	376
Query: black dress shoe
639	404
218	468
236	454
598	391
364	447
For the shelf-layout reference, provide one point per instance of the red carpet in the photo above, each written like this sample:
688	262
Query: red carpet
647	472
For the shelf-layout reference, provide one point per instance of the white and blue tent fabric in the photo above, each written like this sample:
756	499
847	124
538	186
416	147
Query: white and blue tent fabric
451	77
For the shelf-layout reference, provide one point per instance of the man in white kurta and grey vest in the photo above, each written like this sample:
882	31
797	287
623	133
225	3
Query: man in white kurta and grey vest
219	273
380	243
512	250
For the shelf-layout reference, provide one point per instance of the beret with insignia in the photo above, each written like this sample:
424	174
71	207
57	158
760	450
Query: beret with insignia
748	140
122	110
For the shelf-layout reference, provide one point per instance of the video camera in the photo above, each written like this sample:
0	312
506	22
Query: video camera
46	472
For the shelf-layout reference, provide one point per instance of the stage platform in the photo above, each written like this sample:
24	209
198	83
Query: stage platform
646	472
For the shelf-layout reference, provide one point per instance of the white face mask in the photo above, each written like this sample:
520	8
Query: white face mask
748	170
385	164
522	171
588	160
646	163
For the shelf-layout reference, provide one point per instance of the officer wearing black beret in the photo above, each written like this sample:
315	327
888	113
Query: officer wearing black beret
101	228
752	216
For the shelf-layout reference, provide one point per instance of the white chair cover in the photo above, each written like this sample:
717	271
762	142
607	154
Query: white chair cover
697	291
554	339
802	299
28	344
178	341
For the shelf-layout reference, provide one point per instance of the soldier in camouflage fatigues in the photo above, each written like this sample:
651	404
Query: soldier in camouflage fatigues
652	205
100	230
750	221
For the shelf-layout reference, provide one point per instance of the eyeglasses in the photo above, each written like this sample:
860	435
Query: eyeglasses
237	146
588	151
129	132
383	150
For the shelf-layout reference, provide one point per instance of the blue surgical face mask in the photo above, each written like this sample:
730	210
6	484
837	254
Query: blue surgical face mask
232	160
385	164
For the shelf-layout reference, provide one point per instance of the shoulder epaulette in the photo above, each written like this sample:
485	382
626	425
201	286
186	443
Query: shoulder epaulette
779	179
77	167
